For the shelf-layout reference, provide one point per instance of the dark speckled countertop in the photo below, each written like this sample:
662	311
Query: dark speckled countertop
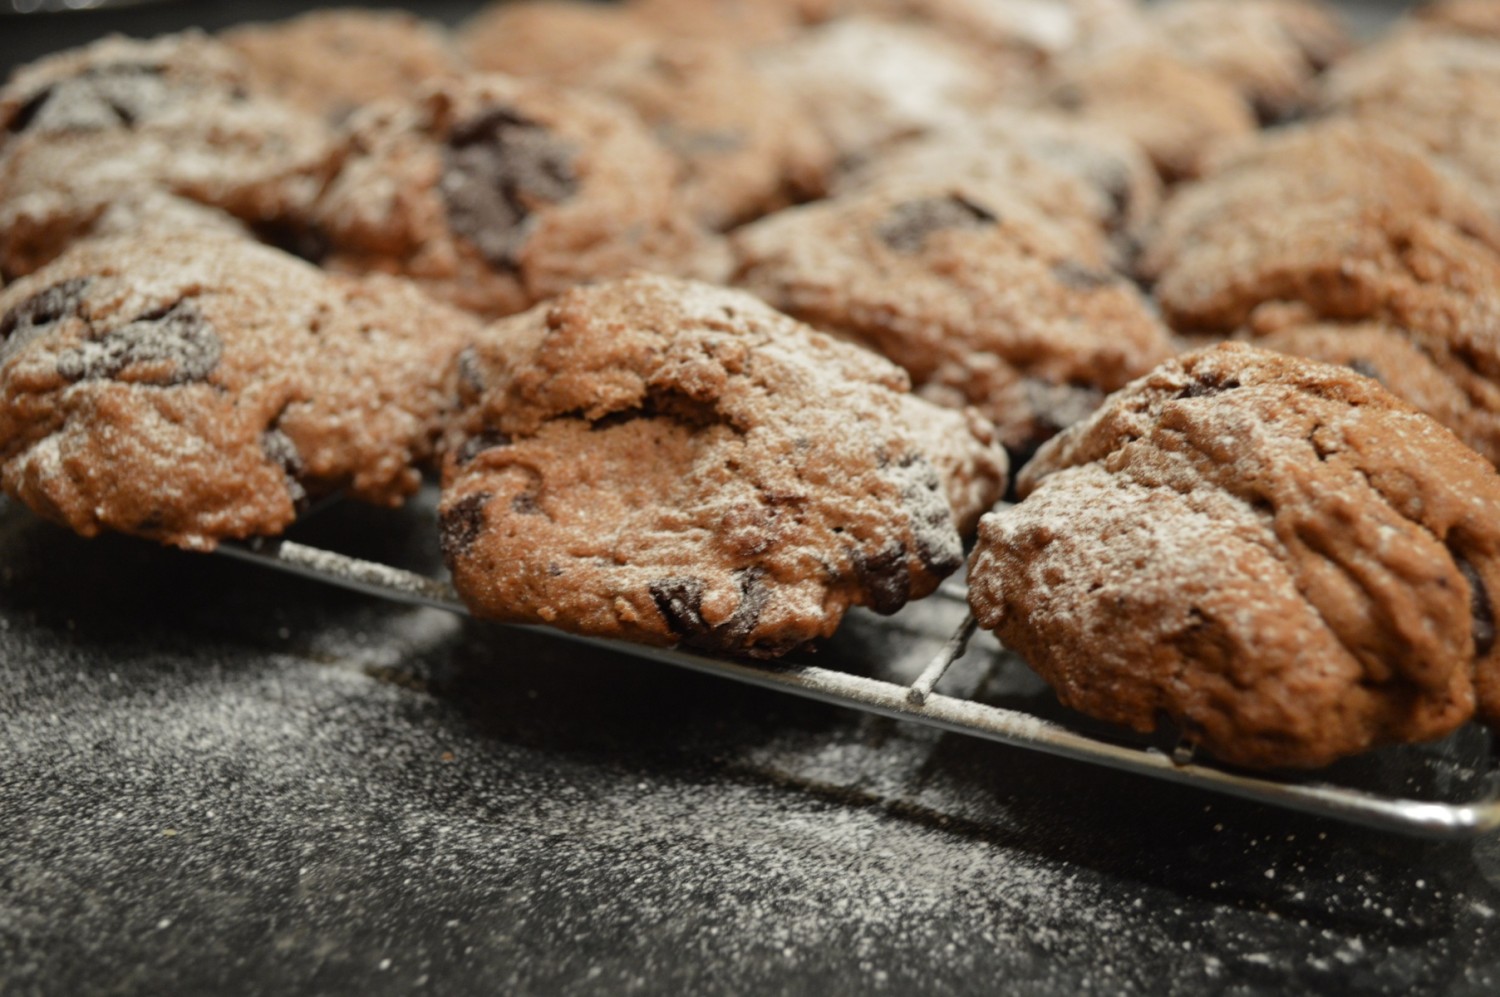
218	779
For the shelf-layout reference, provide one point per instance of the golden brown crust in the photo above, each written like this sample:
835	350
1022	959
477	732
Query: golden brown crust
1279	556
666	461
192	388
561	40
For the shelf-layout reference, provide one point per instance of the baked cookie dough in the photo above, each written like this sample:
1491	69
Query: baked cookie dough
740	22
1335	216
976	295
668	462
1277	556
124	119
495	193
333	61
1083	176
197	387
1178	113
1480	18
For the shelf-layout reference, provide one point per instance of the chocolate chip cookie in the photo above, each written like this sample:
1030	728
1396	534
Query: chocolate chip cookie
1480	18
1326	215
192	388
669	462
1085	177
331	62
124	118
1178	113
1277	556
980	299
1040	29
746	144
740	22
495	193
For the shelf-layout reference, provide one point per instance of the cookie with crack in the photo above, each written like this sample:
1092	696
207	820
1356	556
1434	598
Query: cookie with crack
1278	556
1268	50
1437	90
331	62
1334	215
978	297
495	193
1178	113
193	388
668	462
122	118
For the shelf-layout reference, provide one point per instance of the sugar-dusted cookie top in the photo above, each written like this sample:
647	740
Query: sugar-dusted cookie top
666	461
1278	556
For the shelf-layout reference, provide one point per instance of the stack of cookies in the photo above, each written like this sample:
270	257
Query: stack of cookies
721	318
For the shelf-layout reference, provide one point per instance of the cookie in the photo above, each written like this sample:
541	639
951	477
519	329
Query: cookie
1324	215
333	61
870	83
1441	91
495	193
746	144
1085	177
1277	556
197	387
560	40
1178	113
122	118
668	462
977	296
1268	50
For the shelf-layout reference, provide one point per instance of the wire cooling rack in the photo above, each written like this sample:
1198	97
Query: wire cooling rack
1447	790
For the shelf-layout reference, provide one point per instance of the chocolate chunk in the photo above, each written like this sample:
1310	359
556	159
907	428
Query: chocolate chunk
498	168
1480	608
460	525
1082	278
39	313
680	602
1207	387
171	346
281	451
99	98
908	226
753	598
886	576
525	504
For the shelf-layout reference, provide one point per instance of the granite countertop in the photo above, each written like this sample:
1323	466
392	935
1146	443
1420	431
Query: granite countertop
216	778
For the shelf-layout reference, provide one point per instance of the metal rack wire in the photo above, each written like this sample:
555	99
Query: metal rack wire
919	702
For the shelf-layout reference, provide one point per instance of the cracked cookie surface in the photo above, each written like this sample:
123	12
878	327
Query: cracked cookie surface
197	388
1280	557
669	462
